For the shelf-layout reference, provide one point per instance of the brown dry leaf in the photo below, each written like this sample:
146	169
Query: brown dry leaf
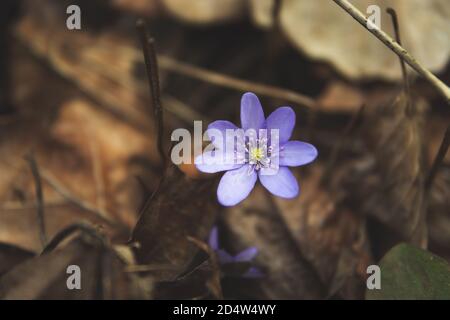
191	286
20	135
331	237
98	173
89	159
287	274
206	11
435	128
45	276
388	183
99	165
141	7
213	281
425	27
10	256
100	64
262	12
309	247
438	214
340	97
179	208
301	241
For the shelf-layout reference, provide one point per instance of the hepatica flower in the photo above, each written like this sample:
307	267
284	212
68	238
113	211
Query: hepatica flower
260	149
225	258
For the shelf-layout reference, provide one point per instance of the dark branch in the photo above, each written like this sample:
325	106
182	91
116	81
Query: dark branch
394	18
438	160
68	231
151	63
40	198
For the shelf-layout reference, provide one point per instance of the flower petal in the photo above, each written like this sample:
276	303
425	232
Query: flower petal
213	240
252	114
282	119
216	161
236	185
220	126
224	257
283	184
246	255
297	153
253	273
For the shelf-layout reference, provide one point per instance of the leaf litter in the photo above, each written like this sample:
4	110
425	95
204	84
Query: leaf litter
138	226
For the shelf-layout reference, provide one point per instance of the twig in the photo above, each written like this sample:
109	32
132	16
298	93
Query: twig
151	63
18	206
340	143
395	47
136	268
438	160
63	234
66	194
97	175
182	111
276	9
153	78
234	83
40	198
213	283
394	18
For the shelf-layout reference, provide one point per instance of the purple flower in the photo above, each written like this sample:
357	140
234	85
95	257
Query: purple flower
255	154
225	258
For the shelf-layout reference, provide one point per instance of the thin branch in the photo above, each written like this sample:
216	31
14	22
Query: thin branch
137	268
182	110
220	79
438	160
151	63
40	199
213	283
394	18
98	175
70	230
20	206
276	9
395	47
66	194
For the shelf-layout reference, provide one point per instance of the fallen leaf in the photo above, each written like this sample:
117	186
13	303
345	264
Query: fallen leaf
10	256
206	11
288	274
45	276
351	48
180	207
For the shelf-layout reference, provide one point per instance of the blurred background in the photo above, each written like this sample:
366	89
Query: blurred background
77	126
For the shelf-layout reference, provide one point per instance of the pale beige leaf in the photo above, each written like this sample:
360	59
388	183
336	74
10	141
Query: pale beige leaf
323	31
206	11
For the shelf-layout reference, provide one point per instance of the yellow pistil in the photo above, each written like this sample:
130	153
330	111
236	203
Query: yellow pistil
257	154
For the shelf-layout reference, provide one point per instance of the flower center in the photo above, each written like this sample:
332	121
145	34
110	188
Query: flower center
258	154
